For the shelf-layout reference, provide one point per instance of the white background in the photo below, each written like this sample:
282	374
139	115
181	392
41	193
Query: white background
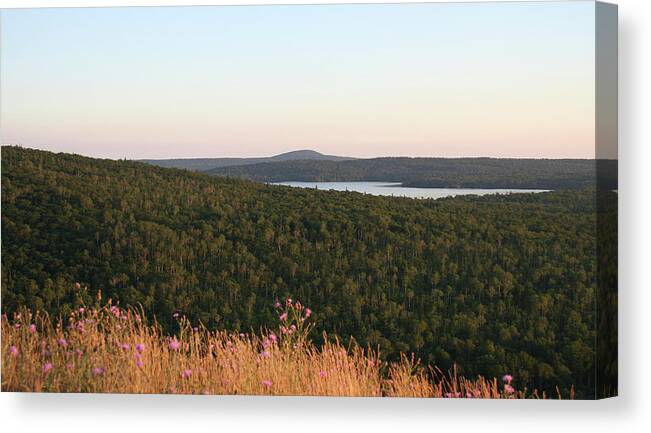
629	412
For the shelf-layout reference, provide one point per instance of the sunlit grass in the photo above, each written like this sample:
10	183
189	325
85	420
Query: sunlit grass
114	350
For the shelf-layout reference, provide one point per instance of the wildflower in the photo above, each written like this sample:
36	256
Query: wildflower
115	311
175	315
97	371
174	344
18	325
77	286
139	363
289	301
322	373
140	347
453	395
265	354
69	366
79	352
267	383
308	313
125	346
283	317
195	329
507	378
47	367
32	328
277	304
273	337
187	373
508	389
81	310
62	342
13	350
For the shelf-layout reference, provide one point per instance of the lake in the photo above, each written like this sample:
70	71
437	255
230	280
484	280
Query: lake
396	190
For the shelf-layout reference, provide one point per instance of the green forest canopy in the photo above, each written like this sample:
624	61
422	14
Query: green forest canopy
496	284
437	172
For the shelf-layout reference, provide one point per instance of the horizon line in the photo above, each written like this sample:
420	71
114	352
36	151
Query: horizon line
157	158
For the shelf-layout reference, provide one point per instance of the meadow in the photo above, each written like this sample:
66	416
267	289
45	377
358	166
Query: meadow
115	350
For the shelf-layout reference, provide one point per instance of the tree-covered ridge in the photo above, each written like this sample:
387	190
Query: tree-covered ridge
495	284
437	172
203	164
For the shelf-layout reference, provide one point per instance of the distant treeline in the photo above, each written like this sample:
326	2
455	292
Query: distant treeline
496	284
438	172
204	164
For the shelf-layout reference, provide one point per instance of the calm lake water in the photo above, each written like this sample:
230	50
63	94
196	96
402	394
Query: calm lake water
396	190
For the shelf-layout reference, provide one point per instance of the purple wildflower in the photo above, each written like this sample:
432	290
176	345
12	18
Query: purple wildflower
507	378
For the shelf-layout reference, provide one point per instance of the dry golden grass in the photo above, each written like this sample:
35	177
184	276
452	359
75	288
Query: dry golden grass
113	350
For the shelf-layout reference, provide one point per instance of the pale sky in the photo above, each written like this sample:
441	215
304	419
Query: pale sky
447	79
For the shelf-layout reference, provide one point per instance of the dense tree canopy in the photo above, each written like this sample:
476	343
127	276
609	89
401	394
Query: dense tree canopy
437	172
501	283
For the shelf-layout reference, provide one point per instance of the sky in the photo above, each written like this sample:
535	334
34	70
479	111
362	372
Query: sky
450	79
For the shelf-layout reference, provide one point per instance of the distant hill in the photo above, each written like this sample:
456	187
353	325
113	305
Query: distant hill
203	164
437	172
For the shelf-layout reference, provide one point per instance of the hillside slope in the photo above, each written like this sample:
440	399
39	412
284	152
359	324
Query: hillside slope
436	172
495	283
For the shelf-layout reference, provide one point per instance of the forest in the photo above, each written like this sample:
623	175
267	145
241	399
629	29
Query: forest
436	172
493	284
